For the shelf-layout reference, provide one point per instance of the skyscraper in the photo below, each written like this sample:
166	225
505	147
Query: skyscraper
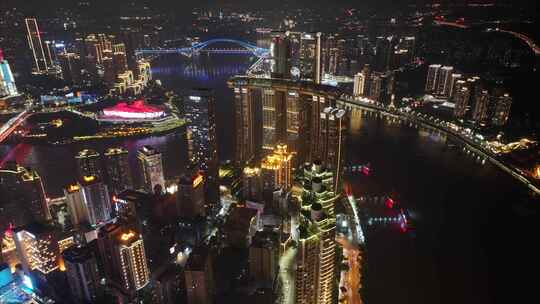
276	169
461	99
280	55
432	78
118	172
318	182
252	187
71	66
122	253
41	64
503	103
88	163
244	125
96	198
37	248
332	145
82	272
481	107
190	196
7	81
22	196
200	113
151	168
359	83
310	57
296	124
77	208
444	80
273	120
453	80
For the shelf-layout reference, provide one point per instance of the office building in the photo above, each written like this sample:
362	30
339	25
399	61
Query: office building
82	272
199	277
502	103
332	143
190	201
200	113
122	253
244	109
88	163
359	84
7	81
151	167
276	169
432	78
71	66
22	196
95	195
37	248
41	63
117	169
273	118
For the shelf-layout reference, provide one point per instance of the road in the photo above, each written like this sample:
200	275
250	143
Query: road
353	276
287	275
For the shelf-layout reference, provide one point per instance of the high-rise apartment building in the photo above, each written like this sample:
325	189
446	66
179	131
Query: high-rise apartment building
151	166
190	201
77	208
82	272
332	143
117	169
88	163
359	84
244	125
432	77
37	248
318	182
310	57
273	120
122	253
71	66
502	103
461	98
22	196
280	55
41	63
95	196
444	80
200	113
481	107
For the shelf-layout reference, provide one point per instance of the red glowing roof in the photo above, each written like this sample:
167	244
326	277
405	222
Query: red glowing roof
137	106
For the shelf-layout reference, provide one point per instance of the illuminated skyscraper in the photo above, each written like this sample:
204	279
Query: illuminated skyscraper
41	64
315	258
200	113
318	182
88	163
190	196
502	103
22	196
432	78
78	211
82	272
359	83
310	57
252	184
276	169
332	143
118	172
481	107
199	277
453	80
444	80
71	66
280	55
123	256
274	118
318	103
37	248
244	124
296	124
7	81
461	98
151	168
95	196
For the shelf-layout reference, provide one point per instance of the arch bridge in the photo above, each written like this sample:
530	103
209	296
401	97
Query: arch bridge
196	48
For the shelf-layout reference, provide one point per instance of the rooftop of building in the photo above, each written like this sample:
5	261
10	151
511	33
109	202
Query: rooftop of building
35	228
78	254
197	259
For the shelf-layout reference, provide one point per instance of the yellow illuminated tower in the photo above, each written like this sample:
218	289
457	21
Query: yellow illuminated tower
277	168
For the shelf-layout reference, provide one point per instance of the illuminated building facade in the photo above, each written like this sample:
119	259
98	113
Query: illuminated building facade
244	124
461	99
432	76
359	84
82	273
280	55
7	81
151	166
316	256
118	172
332	141
444	80
71	66
480	112
137	110
122	252
41	63
200	113
190	196
88	163
95	195
503	103
77	208
276	169
37	248
310	57
318	182
199	277
22	196
273	118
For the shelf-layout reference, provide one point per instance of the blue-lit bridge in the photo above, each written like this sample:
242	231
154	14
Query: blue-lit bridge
246	48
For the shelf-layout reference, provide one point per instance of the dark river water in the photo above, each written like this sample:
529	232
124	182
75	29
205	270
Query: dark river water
475	227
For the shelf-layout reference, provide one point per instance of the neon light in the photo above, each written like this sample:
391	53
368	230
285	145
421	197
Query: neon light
28	282
136	110
197	181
